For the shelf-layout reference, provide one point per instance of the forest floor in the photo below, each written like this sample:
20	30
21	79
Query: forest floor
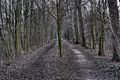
76	63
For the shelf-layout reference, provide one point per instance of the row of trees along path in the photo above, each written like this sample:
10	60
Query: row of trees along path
27	25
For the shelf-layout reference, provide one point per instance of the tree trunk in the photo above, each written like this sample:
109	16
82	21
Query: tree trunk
1	21
93	24
59	37
78	4
101	42
76	27
59	27
17	27
102	25
115	51
114	16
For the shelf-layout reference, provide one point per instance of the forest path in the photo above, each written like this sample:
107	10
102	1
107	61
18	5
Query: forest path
82	63
74	65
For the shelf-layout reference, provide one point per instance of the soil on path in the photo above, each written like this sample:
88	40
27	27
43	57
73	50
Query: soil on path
75	64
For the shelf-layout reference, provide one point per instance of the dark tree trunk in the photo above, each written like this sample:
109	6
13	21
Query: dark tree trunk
59	24
102	27
115	52
1	21
114	16
78	4
76	27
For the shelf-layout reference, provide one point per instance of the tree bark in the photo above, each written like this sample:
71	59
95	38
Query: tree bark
93	24
79	8
114	16
76	27
1	35
59	23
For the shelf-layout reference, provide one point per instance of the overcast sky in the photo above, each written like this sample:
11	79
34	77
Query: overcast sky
118	2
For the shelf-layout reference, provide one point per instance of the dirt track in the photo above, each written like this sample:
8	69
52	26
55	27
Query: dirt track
75	64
